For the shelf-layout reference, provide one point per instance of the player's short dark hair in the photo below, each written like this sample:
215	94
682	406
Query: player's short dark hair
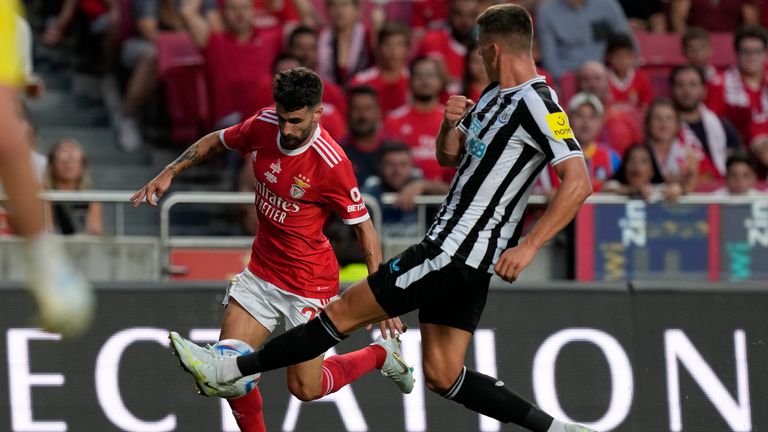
750	32
362	90
392	146
509	21
618	42
738	157
297	88
393	28
694	33
299	31
677	70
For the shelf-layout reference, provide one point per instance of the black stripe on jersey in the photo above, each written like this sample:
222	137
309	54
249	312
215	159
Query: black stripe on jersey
493	241
444	208
545	93
466	121
532	127
484	167
522	160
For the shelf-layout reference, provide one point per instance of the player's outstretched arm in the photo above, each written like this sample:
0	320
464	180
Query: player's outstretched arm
449	140
576	187
200	151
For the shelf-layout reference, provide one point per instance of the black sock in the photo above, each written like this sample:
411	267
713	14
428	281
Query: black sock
299	344
489	396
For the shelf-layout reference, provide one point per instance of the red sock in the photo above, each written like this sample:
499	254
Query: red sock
247	411
341	370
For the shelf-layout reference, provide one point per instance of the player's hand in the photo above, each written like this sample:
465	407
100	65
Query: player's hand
514	260
154	189
455	108
394	325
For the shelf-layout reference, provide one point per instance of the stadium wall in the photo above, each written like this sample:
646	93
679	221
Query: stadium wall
646	358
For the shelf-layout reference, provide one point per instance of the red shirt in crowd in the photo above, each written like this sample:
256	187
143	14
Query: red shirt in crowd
717	16
429	14
236	71
392	93
296	190
419	130
635	90
440	44
745	107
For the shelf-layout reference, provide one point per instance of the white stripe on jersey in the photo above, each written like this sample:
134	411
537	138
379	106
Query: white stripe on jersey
415	274
322	155
267	118
508	143
324	148
329	147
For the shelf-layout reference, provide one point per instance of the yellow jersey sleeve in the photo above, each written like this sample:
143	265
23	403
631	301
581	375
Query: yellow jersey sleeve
11	70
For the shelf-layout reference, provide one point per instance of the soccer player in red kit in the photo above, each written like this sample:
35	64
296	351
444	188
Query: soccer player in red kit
301	175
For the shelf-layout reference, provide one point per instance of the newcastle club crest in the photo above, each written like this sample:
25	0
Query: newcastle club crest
300	185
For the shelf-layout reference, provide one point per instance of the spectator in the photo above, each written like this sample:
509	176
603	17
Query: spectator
676	150
428	15
364	139
275	15
621	127
417	123
67	171
715	16
697	48
572	32
236	60
390	77
452	44
717	136
628	84
302	44
344	48
639	177
139	56
741	176
741	95
396	174
475	78
645	15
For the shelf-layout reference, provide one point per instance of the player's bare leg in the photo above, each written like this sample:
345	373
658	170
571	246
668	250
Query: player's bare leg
443	351
64	298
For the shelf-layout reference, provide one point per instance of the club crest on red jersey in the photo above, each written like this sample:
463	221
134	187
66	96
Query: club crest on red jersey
298	188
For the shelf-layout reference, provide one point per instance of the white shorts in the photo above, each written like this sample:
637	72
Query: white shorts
269	304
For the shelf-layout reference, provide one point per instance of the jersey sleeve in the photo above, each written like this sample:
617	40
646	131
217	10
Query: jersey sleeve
243	136
466	121
344	195
551	131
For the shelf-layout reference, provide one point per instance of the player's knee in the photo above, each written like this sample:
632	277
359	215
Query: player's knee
303	391
438	379
337	312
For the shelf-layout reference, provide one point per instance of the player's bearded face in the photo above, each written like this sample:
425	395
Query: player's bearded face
296	126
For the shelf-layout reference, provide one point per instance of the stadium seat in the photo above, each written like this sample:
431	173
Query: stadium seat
180	68
126	26
660	49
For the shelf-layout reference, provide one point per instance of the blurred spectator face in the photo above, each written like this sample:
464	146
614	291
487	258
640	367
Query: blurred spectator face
475	67
396	169
639	168
740	178
751	56
698	52
304	47
593	79
238	16
364	115
621	61
663	124
426	80
688	91
586	123
68	162
462	18
285	64
342	13
394	51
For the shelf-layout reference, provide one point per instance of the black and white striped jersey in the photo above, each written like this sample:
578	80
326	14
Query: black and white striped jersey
511	134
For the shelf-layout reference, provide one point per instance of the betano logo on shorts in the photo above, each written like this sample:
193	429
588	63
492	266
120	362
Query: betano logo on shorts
558	124
271	205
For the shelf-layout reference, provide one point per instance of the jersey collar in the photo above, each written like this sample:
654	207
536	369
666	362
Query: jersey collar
300	150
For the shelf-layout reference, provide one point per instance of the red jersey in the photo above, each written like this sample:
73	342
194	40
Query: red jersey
745	107
295	192
267	18
440	44
235	71
392	94
635	90
429	14
419	131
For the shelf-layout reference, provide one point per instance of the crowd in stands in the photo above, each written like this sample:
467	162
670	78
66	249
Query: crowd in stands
666	97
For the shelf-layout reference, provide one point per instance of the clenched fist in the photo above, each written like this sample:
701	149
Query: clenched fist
455	108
